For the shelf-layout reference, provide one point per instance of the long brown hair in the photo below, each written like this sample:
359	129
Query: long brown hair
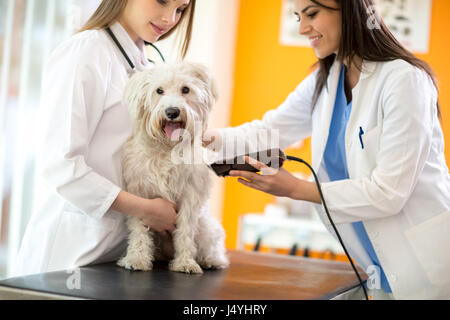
372	44
109	11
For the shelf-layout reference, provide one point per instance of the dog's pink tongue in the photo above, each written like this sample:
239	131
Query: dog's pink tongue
173	130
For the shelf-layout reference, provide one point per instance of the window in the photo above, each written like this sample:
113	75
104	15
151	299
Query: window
29	31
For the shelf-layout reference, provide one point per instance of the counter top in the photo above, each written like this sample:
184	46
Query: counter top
251	276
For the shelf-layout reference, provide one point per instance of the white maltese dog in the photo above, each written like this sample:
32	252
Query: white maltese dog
168	105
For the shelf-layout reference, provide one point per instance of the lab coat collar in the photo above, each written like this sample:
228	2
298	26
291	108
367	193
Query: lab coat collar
135	51
368	68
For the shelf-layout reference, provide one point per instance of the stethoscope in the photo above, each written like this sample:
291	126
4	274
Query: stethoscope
133	67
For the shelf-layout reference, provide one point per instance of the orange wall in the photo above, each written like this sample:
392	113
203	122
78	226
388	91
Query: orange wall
267	72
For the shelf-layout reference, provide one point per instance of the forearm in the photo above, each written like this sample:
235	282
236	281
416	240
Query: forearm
128	204
252	136
306	191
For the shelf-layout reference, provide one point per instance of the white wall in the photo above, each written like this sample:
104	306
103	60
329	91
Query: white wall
214	44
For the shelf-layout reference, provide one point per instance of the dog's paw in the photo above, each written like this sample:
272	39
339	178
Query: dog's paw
185	266
220	262
135	263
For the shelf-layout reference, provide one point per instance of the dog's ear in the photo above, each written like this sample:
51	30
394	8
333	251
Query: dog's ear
201	72
135	94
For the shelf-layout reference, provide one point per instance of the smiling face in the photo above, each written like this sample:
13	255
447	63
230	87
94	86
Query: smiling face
151	19
321	25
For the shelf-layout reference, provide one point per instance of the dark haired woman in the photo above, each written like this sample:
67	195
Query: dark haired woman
377	145
80	205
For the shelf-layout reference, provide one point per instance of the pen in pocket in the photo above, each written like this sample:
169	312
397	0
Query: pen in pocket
361	132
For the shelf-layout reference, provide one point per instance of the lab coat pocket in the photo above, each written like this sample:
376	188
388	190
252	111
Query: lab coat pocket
430	241
80	240
365	147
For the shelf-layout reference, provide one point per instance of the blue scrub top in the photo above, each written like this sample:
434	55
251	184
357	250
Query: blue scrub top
336	164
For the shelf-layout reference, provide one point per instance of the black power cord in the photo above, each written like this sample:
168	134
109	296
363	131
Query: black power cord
331	220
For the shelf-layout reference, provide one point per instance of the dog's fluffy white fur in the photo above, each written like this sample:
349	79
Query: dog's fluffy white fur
155	97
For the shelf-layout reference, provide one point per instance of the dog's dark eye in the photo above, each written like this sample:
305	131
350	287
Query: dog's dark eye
160	91
185	90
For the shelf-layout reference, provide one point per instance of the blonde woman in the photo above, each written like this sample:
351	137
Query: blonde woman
80	211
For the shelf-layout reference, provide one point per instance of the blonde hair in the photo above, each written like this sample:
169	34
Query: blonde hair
109	12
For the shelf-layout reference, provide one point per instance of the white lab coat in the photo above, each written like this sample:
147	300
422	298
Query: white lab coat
83	125
399	183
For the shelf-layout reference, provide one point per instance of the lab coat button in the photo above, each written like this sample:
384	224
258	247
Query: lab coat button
393	277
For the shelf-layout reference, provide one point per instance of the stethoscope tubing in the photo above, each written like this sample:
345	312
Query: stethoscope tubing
122	50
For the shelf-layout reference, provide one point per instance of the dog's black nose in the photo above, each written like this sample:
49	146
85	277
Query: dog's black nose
172	113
